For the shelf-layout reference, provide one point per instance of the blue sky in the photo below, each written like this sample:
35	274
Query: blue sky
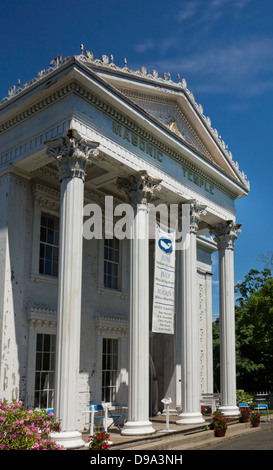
223	48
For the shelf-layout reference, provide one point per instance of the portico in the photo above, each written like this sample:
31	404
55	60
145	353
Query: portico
98	131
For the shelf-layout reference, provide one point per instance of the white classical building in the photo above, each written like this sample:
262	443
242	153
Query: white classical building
83	136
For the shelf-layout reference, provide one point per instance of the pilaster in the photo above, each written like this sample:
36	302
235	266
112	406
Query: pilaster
14	186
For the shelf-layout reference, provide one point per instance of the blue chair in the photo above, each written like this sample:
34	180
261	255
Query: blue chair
243	405
93	409
263	410
115	419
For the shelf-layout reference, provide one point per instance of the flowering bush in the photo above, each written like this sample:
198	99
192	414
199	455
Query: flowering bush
99	441
26	429
219	420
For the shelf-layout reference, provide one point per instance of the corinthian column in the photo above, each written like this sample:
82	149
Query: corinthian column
190	331
72	155
139	189
225	234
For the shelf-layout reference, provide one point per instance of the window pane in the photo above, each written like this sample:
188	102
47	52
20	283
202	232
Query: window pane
39	342
43	234
47	268
50	236
38	361
46	342
48	252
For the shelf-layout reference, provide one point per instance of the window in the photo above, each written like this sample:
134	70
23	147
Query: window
49	245
44	371
111	263
109	369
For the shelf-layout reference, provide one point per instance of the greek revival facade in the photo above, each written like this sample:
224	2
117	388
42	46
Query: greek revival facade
79	144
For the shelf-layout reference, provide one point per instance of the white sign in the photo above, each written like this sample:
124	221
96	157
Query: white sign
164	282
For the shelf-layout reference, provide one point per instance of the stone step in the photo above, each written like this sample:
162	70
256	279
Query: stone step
181	441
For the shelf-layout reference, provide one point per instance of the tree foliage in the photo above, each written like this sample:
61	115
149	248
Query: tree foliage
254	332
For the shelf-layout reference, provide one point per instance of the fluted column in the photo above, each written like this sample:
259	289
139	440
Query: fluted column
139	189
190	331
72	155
225	234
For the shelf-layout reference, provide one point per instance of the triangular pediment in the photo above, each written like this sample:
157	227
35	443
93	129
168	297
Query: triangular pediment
172	105
168	113
183	121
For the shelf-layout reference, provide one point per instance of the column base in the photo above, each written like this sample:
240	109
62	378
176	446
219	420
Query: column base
190	418
68	439
229	410
135	428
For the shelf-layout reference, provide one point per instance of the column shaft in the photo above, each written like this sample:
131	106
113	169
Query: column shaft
225	236
69	303
190	349
71	153
227	331
139	189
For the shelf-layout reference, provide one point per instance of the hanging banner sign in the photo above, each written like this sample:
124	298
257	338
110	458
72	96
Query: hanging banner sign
164	282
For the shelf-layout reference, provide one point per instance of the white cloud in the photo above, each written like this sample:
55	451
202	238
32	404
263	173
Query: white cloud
144	46
188	11
246	66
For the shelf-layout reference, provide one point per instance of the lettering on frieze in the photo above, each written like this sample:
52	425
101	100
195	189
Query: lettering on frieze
151	151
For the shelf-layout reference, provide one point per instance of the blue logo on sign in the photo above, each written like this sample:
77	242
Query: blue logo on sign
165	244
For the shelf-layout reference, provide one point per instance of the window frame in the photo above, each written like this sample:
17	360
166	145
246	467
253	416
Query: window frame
111	264
49	246
109	369
46	374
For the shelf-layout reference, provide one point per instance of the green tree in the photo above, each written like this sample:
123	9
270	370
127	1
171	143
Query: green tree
254	333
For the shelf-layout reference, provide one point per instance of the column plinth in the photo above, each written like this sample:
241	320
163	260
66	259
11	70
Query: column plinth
72	154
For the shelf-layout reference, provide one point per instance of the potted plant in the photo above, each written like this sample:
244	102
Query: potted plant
245	415
219	423
99	441
255	419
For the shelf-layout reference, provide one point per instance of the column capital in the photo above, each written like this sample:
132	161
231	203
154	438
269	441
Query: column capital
139	188
225	234
72	153
197	211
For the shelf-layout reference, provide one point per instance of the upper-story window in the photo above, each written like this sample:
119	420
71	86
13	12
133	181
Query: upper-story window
111	263
49	245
